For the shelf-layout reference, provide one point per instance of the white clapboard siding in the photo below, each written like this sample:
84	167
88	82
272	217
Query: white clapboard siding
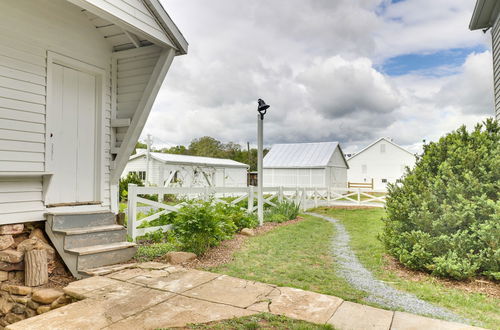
22	116
47	25
20	200
495	33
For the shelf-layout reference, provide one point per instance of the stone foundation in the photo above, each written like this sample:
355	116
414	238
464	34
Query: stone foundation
15	241
21	302
18	302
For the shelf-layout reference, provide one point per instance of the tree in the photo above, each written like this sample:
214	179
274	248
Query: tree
206	146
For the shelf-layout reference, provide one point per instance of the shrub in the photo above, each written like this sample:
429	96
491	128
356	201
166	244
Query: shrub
237	215
199	226
443	217
283	211
133	178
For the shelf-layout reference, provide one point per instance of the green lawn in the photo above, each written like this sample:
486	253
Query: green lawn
297	255
365	224
261	321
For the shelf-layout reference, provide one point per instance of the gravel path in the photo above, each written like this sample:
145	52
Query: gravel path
379	292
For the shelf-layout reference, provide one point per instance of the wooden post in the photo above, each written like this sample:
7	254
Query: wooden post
304	198
36	272
359	196
132	210
280	194
315	197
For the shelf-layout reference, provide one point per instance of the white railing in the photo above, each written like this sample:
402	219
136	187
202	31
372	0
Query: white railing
306	197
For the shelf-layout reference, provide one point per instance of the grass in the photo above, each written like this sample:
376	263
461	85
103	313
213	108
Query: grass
364	225
261	321
297	255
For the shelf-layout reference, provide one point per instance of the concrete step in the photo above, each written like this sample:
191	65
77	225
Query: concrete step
91	236
88	239
105	256
82	251
73	220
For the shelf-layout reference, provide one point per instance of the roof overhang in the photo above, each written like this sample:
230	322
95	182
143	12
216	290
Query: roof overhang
170	36
485	14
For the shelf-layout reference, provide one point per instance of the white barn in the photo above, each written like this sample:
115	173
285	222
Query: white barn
172	170
487	16
320	164
78	79
383	161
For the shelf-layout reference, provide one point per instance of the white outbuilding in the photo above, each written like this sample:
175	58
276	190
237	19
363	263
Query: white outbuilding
320	164
381	162
172	170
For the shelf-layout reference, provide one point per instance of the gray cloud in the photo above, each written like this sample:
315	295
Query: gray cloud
314	62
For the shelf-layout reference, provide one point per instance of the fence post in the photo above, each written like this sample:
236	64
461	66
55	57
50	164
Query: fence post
359	196
205	194
304	199
280	194
315	197
250	199
328	194
132	210
297	196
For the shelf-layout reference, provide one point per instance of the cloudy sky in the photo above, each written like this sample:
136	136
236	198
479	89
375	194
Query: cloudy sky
332	70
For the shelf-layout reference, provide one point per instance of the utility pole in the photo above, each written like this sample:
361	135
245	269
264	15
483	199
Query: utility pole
149	141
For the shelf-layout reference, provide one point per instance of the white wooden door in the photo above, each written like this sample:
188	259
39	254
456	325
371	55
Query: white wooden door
72	136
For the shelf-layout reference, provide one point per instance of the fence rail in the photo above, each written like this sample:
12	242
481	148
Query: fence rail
306	197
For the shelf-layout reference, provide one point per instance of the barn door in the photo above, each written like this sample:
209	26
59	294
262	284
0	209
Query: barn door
72	136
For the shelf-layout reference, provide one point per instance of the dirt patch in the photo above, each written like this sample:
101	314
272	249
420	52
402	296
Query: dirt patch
223	253
482	285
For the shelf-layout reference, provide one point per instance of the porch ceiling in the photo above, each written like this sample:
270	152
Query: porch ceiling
118	37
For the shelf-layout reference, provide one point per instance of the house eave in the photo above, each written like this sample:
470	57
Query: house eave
485	12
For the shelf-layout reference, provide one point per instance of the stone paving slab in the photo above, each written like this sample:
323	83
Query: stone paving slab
407	321
80	289
177	282
85	314
304	305
352	316
180	311
155	295
231	291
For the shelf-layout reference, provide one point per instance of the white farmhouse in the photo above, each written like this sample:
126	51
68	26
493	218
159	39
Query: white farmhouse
320	164
77	82
164	170
486	16
381	162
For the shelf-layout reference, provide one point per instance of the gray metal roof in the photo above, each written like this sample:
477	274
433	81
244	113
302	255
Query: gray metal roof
184	159
300	154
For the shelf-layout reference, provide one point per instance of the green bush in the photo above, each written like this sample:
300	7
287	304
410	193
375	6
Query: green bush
283	211
199	226
443	217
237	215
133	178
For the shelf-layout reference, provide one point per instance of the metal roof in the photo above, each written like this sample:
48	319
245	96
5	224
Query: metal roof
184	159
300	154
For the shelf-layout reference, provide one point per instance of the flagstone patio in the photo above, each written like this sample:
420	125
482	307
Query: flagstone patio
156	295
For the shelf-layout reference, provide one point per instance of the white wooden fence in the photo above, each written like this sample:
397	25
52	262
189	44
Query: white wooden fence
305	197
